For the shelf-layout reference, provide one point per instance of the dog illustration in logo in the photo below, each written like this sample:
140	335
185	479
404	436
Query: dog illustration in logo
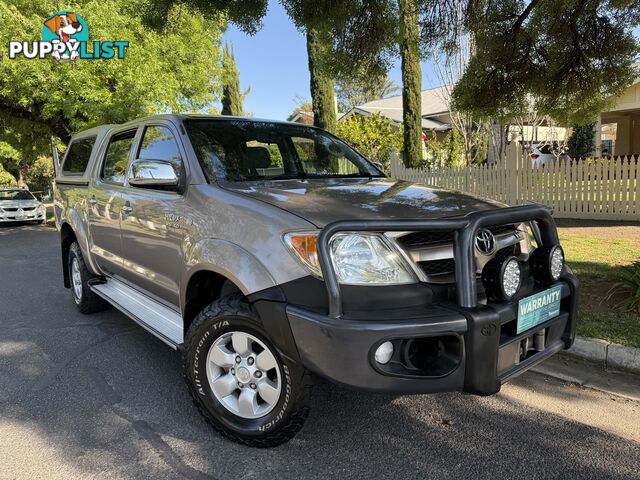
65	25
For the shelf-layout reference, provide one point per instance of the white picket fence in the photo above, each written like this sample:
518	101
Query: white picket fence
607	189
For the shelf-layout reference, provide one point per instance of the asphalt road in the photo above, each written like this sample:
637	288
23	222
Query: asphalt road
98	397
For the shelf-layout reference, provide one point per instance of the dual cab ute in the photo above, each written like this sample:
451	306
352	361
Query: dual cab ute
266	251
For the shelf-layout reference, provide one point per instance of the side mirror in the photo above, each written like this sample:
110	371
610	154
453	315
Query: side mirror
379	166
158	174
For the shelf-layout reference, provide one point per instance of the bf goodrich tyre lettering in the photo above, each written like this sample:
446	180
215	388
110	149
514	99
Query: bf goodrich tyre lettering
283	419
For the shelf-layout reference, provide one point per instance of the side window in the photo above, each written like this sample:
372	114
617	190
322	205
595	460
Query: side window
77	158
114	168
158	143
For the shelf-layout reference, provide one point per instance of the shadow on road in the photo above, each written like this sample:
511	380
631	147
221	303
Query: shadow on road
101	397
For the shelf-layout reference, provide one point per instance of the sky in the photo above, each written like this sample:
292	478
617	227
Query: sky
273	63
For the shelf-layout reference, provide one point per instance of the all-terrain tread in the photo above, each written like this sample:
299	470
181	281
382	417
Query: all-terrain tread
236	305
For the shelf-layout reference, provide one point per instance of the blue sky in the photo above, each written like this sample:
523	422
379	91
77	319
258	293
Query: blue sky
273	63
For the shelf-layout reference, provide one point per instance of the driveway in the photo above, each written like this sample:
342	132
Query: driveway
98	397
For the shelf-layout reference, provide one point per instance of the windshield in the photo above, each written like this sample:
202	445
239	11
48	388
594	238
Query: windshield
15	195
243	150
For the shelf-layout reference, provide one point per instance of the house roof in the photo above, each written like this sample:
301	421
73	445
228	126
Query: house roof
434	102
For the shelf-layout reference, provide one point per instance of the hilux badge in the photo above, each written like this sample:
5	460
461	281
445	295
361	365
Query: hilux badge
485	242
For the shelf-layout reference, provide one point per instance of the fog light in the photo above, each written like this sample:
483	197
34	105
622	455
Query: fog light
502	279
547	263
384	353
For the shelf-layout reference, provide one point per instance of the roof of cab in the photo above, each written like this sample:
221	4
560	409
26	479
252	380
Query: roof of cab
179	117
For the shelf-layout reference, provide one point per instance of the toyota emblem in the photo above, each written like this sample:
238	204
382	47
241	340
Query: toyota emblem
485	242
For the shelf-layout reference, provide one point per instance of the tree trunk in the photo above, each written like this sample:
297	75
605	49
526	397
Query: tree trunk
411	82
323	95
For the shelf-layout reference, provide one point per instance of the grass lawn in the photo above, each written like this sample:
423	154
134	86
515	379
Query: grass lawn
595	254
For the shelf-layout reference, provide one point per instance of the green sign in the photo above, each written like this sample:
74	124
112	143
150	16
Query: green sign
538	308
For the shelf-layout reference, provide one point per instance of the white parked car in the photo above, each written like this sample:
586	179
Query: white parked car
19	205
543	153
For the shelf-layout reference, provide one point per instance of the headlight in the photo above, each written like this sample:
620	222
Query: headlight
358	258
368	259
41	209
502	279
547	263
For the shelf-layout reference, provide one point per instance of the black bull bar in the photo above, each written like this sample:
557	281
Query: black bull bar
465	228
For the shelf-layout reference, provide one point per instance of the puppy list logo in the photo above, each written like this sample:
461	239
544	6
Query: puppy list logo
65	36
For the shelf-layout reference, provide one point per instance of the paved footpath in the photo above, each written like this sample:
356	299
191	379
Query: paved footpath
98	397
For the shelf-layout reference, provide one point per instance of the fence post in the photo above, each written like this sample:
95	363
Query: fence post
393	163
512	164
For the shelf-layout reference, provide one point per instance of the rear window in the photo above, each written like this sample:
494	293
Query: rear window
77	157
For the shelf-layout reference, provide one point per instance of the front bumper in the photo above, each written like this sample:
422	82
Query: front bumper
488	354
30	216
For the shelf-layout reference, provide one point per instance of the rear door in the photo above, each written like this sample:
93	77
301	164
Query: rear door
106	202
155	227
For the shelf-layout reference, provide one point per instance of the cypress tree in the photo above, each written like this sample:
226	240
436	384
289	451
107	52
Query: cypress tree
231	96
411	82
321	84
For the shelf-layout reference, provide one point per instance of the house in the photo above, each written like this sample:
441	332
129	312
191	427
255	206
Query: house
436	117
435	111
618	128
306	118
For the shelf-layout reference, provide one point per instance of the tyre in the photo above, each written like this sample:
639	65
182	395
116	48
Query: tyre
239	381
86	300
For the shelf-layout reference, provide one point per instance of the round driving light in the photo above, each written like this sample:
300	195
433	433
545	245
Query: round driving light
511	278
547	263
384	352
556	262
502	278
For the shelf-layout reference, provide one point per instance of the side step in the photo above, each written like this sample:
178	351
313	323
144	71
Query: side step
164	323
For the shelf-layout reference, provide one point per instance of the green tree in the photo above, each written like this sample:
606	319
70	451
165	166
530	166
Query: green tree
344	39
321	83
40	174
568	58
411	81
6	179
247	15
374	136
354	91
231	95
175	68
581	141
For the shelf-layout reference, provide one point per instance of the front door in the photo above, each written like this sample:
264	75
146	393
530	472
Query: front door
106	203
155	227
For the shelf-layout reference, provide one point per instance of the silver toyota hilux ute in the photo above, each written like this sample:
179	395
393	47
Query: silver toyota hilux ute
268	251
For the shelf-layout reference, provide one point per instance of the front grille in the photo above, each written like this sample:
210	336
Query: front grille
447	266
438	267
423	239
12	209
426	239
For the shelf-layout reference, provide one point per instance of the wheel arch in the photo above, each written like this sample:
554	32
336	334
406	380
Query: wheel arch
203	287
